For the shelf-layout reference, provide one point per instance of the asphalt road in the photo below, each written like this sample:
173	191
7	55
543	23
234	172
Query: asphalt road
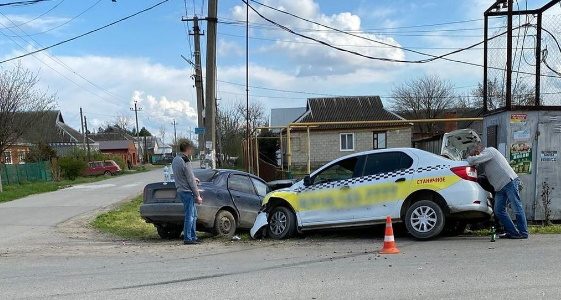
39	258
31	220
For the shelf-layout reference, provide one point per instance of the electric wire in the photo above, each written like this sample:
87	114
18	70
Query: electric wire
85	34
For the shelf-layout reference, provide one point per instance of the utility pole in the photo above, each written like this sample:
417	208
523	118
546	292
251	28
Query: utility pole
249	156
87	138
509	56
210	108
83	132
175	136
136	109
198	79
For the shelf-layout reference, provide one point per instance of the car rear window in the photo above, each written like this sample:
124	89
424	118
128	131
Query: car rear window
205	175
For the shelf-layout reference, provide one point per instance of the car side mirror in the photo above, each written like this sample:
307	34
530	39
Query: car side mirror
307	180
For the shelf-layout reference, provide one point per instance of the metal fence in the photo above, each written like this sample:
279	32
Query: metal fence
535	57
22	173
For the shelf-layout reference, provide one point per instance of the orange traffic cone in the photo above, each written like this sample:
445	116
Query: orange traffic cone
389	242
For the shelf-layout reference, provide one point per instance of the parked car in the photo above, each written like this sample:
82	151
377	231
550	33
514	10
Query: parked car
425	191
106	167
231	201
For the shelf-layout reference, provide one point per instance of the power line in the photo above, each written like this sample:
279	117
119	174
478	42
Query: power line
22	3
39	16
433	57
351	45
58	61
380	32
55	70
380	28
85	34
67	21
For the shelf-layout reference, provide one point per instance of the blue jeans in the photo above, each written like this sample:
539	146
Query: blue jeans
510	194
190	222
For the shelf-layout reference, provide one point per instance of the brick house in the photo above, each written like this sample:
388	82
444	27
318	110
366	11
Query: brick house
123	148
15	154
328	142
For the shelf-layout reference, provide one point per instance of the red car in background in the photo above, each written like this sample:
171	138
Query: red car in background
106	167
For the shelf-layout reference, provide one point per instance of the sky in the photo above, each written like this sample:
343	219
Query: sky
140	59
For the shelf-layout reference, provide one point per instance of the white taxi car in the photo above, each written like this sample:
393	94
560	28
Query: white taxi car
424	190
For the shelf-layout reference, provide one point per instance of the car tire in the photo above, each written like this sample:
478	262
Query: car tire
282	223
424	220
168	231
107	173
225	224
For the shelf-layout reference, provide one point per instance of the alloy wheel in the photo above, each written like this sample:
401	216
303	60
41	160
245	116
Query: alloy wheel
423	219
278	222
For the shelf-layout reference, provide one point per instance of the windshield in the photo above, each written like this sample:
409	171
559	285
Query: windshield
205	175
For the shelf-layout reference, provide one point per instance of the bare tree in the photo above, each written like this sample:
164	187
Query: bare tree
427	97
522	95
162	132
230	130
257	115
22	104
123	122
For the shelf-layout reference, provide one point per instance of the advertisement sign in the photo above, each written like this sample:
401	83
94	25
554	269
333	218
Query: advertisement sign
548	156
521	157
521	134
518	118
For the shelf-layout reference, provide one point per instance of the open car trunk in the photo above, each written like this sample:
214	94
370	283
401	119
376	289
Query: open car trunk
456	144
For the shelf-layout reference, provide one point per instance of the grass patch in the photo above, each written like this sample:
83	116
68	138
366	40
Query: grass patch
533	229
125	221
16	191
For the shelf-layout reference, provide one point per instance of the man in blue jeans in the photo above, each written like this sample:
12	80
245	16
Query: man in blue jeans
505	182
186	184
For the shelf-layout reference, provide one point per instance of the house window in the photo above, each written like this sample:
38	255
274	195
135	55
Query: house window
7	157
379	141
347	142
22	155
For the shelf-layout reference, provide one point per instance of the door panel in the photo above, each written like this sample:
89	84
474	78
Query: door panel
548	171
329	200
245	198
387	179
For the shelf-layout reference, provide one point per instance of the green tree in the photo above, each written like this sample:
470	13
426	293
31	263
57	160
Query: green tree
144	132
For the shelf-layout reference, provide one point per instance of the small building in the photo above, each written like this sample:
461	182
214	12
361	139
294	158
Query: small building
15	154
156	149
123	148
328	142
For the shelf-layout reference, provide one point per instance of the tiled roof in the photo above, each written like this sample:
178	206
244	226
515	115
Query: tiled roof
50	128
114	145
349	109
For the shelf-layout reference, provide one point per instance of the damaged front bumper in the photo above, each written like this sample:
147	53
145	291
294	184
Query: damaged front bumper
259	225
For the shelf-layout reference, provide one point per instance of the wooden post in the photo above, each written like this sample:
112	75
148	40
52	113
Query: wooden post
309	150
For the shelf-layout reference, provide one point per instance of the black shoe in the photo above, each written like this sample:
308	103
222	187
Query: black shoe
195	242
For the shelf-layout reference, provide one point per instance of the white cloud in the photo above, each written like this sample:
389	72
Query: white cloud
313	60
26	22
164	92
227	48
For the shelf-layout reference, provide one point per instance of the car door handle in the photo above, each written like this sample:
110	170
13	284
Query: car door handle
400	180
345	187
